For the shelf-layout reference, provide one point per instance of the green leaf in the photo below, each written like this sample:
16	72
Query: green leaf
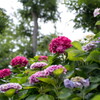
95	79
22	94
97	97
29	87
68	67
97	23
64	94
77	98
47	80
31	97
72	55
10	92
3	97
91	87
22	80
14	80
46	97
58	71
77	45
94	56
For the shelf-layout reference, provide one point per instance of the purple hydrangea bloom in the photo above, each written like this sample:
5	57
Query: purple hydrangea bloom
85	82
33	78
76	82
5	87
38	65
68	83
52	68
89	47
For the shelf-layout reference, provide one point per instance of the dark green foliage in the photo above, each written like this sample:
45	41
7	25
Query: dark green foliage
3	20
84	13
45	9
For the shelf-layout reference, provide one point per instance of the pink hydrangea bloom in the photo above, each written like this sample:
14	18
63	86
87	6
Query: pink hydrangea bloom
5	87
4	73
41	58
50	69
96	12
33	78
19	61
38	65
59	44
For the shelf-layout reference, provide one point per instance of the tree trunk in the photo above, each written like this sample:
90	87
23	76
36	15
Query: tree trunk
35	33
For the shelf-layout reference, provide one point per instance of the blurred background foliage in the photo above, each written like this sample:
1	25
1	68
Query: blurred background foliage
16	39
84	14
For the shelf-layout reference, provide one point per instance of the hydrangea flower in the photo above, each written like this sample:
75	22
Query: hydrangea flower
76	82
4	73
59	44
50	69
33	78
96	12
6	87
38	65
68	83
89	47
41	58
19	61
84	82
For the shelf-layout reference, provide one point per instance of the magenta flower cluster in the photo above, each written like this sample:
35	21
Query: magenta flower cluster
48	71
76	82
38	65
5	87
4	72
96	12
59	44
41	58
19	61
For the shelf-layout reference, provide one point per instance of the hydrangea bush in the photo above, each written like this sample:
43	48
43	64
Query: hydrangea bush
72	72
69	75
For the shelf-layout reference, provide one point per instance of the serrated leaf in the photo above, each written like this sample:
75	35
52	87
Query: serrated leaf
64	94
97	97
14	80
97	23
10	92
31	97
91	87
46	97
94	56
47	80
77	45
58	71
72	55
29	87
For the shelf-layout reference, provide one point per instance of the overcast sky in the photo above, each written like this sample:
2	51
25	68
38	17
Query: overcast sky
65	26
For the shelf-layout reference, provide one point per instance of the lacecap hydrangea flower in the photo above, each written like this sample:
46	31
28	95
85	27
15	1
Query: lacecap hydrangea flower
41	58
52	68
96	12
19	61
59	44
38	65
76	82
4	72
6	87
